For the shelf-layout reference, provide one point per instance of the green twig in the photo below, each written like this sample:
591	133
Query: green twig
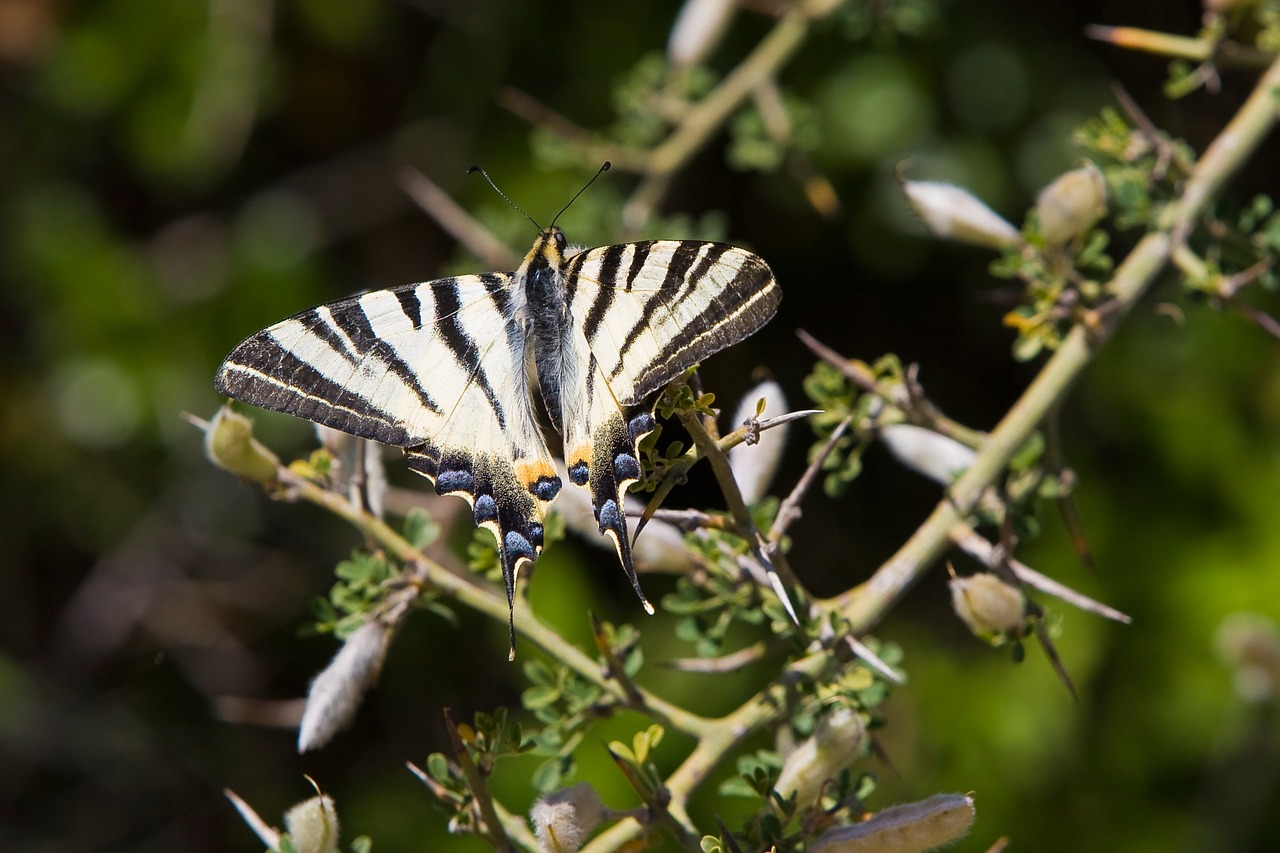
728	733
774	566
867	603
472	591
494	832
706	119
1196	49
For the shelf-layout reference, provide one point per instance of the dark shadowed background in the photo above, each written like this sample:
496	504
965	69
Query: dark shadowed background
175	176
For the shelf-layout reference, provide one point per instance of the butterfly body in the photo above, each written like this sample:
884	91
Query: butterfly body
439	369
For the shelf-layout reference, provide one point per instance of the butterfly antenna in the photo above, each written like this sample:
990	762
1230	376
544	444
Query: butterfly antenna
606	167
505	198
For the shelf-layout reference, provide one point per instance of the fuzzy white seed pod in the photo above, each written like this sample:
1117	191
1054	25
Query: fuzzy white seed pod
908	828
835	744
954	213
313	825
1250	644
564	819
754	465
336	692
697	30
988	605
938	457
1072	204
229	444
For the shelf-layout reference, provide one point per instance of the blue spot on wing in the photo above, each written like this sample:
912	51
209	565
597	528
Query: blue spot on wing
454	481
516	546
609	517
641	425
546	488
626	467
486	509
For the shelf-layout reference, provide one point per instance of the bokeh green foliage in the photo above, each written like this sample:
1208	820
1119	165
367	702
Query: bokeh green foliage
178	179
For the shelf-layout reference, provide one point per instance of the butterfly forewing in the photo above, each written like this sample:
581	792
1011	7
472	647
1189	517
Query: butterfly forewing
650	310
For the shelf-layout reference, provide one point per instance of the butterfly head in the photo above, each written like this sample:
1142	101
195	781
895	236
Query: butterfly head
548	250
542	268
554	239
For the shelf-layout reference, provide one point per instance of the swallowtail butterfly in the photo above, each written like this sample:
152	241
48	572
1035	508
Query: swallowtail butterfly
439	369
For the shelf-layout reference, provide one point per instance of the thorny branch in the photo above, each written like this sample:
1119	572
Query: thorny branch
866	604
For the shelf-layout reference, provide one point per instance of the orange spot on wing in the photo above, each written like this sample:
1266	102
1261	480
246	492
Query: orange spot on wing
530	472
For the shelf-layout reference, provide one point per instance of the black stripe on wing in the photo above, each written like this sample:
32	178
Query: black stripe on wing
609	265
462	345
263	373
733	312
350	317
719	294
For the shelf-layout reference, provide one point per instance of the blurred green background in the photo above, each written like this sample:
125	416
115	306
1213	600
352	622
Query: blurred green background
174	176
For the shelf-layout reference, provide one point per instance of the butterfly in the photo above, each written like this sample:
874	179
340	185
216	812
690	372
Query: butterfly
440	370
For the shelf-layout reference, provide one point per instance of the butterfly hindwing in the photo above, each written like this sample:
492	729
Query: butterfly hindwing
641	314
436	368
602	455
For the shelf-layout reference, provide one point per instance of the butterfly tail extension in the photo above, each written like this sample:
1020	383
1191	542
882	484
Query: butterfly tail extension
614	466
509	500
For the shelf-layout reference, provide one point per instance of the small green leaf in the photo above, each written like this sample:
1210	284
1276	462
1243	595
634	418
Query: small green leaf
420	529
438	767
622	751
539	696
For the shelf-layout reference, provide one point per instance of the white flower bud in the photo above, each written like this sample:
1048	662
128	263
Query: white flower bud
313	825
697	30
229	444
1072	204
754	465
930	453
988	605
954	213
336	692
907	828
835	744
564	819
1250	644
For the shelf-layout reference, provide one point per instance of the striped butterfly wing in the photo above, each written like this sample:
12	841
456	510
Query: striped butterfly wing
643	313
650	310
436	368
